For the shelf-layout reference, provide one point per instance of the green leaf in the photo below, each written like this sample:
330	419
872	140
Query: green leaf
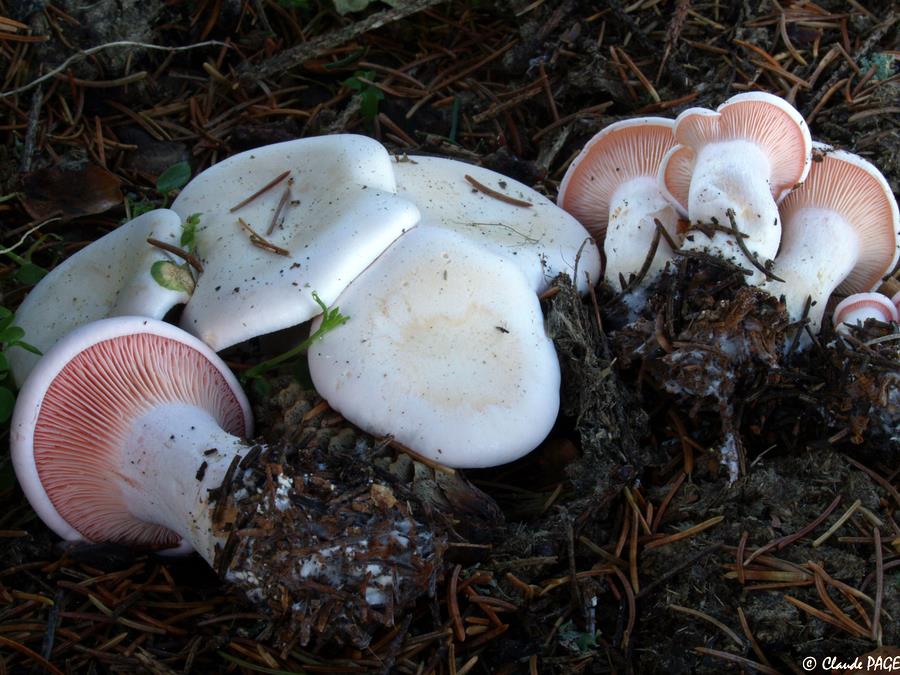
295	4
7	403
27	347
6	319
4	365
135	209
368	106
29	274
11	334
354	82
173	277
189	233
173	178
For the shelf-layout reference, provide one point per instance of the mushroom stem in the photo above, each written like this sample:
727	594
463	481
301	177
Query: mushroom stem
817	254
633	210
733	175
172	457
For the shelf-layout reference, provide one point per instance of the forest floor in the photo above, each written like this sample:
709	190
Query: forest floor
620	545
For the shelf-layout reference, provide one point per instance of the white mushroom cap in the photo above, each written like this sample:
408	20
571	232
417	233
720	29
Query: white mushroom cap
445	350
109	277
98	433
857	308
336	211
542	239
611	188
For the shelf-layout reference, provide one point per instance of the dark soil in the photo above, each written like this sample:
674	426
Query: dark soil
678	518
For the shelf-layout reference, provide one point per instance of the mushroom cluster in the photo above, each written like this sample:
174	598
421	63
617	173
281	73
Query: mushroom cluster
802	220
438	265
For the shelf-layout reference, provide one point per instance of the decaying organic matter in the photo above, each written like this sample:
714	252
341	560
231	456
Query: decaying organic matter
322	547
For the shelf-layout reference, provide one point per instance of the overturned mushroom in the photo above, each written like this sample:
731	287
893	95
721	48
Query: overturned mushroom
729	169
129	431
502	215
110	277
841	231
445	350
281	221
112	426
612	189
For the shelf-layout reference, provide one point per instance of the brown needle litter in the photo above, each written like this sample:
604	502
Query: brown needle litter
276	216
481	187
265	188
187	256
257	240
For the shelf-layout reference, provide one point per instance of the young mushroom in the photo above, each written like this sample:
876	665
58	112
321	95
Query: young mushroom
281	221
110	277
612	189
856	309
445	351
502	215
841	231
729	169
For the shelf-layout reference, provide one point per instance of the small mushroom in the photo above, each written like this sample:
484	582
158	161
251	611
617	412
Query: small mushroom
445	350
109	277
281	221
841	231
503	215
856	309
729	169
112	427
611	188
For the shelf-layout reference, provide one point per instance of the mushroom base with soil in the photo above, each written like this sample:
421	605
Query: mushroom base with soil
731	177
807	269
634	210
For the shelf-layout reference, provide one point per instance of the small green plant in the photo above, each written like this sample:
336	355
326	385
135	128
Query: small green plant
173	178
10	337
575	640
331	319
189	233
175	276
28	273
370	95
